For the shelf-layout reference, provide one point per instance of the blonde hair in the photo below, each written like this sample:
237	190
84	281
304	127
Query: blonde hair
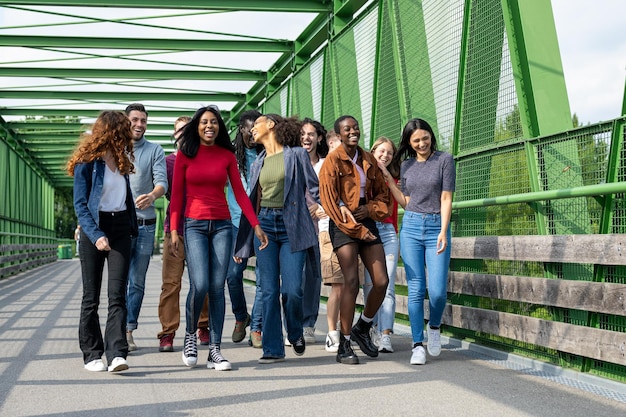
393	167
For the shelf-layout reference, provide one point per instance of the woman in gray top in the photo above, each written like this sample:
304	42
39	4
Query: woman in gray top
427	181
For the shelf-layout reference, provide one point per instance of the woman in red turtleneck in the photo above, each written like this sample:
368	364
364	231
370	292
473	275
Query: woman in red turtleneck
205	162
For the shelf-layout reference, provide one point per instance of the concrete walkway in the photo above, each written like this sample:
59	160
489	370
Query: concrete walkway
42	374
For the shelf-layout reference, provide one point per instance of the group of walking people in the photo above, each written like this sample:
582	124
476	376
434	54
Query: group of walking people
311	205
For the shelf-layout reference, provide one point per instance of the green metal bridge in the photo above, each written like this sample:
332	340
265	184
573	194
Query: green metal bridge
486	73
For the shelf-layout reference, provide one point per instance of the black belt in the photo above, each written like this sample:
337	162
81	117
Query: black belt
146	222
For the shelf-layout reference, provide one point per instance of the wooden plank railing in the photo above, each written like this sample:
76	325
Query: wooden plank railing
598	297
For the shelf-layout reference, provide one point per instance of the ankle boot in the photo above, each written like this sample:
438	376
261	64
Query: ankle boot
345	354
361	334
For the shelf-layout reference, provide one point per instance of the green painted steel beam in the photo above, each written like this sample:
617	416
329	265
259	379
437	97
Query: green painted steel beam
146	43
583	191
131	74
537	67
70	127
119	97
94	113
310	6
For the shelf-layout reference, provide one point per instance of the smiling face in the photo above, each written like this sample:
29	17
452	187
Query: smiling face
246	134
421	141
138	123
309	138
349	132
383	153
261	128
208	128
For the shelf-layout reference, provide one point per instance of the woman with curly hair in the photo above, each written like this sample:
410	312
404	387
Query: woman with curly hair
280	178
106	213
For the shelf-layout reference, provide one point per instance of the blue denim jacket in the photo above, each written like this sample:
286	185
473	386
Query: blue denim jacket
88	180
299	177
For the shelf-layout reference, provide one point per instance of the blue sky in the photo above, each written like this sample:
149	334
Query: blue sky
592	39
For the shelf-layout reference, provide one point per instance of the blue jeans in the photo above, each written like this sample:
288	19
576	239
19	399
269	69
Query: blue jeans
234	280
256	317
276	261
208	248
418	246
142	247
385	317
311	286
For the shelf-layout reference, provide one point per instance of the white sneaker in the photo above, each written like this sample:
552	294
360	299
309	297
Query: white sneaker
118	364
385	344
131	342
217	361
332	341
96	365
434	342
419	356
375	335
309	335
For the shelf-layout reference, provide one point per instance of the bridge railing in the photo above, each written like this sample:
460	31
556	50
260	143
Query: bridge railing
20	252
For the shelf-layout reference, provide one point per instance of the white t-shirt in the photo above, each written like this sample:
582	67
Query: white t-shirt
113	196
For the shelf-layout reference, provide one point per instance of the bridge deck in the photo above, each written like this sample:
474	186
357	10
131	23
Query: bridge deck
42	374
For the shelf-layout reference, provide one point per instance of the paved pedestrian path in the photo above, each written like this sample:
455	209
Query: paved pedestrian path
41	371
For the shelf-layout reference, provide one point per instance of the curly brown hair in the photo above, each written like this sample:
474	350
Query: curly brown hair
110	132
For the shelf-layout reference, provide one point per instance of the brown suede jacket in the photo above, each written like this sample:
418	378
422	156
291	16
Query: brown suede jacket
340	181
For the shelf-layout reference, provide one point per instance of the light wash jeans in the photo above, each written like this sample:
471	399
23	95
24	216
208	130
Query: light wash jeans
280	270
142	247
418	246
208	247
384	319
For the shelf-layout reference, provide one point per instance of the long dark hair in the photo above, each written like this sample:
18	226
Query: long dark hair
322	146
190	140
405	150
288	130
240	147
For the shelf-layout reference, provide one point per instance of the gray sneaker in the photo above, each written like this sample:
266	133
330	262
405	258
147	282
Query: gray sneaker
131	342
309	335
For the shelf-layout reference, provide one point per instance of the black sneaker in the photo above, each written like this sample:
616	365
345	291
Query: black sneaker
345	354
361	335
299	346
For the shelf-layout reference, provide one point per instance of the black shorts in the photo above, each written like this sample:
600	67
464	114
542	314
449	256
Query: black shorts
339	238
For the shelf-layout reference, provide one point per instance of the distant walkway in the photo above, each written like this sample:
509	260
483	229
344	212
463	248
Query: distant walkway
41	372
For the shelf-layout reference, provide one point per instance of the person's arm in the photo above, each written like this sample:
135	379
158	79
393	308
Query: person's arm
244	202
396	193
176	203
82	190
446	213
159	179
379	205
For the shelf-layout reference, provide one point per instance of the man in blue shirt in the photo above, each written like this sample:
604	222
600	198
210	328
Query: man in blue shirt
148	183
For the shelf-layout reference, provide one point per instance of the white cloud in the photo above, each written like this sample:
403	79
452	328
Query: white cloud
593	52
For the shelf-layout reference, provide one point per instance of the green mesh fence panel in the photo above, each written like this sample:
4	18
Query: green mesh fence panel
272	104
444	27
301	103
365	53
329	115
414	61
387	121
347	97
489	113
317	82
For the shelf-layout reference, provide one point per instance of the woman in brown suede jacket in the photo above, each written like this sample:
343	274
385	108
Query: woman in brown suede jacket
355	195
